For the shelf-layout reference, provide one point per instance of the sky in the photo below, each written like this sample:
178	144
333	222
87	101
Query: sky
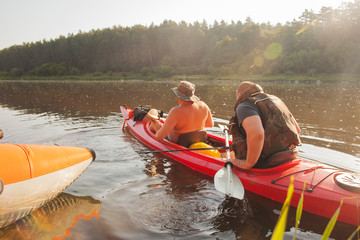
23	21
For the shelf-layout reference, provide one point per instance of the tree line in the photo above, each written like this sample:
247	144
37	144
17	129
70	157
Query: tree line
316	43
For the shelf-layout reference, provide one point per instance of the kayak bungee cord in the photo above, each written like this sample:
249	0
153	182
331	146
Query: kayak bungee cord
312	187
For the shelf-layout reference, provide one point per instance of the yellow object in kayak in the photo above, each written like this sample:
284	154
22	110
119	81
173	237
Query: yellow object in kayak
211	152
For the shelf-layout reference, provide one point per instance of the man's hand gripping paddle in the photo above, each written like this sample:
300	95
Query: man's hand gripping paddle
225	179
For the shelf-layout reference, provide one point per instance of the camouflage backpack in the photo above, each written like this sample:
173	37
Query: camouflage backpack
140	112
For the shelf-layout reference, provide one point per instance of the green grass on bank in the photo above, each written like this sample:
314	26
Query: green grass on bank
115	77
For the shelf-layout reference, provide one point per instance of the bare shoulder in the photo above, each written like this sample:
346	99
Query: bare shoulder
203	104
175	111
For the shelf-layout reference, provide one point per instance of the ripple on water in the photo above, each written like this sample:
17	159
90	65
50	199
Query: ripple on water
150	206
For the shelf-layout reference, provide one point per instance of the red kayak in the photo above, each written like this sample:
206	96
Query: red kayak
326	186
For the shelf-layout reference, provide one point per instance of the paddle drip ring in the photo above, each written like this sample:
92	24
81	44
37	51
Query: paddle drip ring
1	186
349	181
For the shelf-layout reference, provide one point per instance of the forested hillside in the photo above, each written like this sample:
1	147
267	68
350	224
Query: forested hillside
315	43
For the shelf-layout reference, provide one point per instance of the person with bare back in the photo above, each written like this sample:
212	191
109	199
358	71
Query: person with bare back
185	123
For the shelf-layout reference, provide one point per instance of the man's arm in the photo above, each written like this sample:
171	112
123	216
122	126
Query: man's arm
255	137
209	120
166	128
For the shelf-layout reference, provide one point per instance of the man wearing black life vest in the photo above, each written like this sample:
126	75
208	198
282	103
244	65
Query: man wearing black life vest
264	131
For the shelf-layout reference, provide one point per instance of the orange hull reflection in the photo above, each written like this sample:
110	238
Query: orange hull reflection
54	220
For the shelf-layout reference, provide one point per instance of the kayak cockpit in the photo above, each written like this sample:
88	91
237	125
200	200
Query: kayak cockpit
216	141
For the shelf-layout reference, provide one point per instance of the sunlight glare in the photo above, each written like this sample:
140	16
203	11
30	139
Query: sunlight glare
273	51
258	61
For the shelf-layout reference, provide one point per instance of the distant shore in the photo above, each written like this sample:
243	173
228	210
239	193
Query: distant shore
117	77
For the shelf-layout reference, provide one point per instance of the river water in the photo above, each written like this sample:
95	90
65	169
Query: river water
127	194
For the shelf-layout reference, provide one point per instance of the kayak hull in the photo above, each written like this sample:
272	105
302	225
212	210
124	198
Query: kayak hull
31	175
322	196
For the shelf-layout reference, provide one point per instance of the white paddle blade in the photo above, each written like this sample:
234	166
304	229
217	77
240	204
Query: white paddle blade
228	184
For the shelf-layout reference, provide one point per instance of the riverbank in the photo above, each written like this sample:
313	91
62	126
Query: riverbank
116	77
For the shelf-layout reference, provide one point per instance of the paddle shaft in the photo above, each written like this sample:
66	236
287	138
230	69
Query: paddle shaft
188	149
230	183
226	181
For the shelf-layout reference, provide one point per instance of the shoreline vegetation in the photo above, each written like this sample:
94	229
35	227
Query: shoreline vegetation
321	46
339	78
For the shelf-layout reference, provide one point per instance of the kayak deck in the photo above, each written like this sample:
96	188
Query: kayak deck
322	195
31	175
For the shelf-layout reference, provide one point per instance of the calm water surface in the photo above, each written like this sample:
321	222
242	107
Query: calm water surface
126	194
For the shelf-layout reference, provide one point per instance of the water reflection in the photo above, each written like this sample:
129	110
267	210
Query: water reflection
237	217
54	220
148	196
327	113
193	199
